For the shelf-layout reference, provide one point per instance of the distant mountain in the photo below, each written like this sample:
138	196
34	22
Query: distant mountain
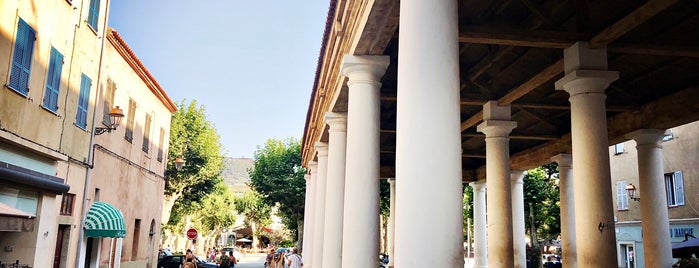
235	171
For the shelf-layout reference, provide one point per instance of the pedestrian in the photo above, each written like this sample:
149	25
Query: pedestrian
189	257
294	259
224	261
270	257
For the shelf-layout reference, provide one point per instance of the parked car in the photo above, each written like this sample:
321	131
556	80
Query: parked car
171	261
202	263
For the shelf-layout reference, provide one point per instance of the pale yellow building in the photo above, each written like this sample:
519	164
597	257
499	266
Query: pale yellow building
62	70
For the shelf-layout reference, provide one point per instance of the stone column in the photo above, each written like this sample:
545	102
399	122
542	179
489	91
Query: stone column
392	224
480	244
518	236
565	185
319	223
428	140
360	236
335	189
309	214
657	247
496	127
586	78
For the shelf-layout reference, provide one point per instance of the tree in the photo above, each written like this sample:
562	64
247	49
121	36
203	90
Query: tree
279	178
195	139
542	205
255	210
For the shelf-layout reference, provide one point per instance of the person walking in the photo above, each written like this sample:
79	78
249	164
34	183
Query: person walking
224	261
295	260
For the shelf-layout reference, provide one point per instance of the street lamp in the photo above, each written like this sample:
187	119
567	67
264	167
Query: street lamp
631	189
179	162
115	116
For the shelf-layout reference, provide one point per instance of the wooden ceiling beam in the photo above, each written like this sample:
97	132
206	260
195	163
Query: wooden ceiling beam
536	9
516	137
537	80
630	22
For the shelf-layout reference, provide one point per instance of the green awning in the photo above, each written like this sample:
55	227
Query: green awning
104	220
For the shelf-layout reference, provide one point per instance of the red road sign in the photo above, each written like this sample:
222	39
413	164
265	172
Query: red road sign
192	233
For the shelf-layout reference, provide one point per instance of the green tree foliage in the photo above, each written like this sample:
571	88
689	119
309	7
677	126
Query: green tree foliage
216	211
195	139
279	178
255	210
542	194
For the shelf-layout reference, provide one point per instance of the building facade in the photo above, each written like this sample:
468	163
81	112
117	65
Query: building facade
63	166
680	171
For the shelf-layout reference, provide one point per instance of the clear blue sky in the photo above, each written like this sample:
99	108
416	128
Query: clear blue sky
250	63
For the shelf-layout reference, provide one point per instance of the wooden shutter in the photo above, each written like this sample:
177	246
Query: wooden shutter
22	59
83	101
53	80
94	13
622	197
679	188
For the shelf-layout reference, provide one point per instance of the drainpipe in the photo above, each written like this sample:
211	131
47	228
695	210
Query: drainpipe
90	155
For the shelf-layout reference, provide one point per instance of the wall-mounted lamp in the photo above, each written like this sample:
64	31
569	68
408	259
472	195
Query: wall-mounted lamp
179	162
115	116
631	189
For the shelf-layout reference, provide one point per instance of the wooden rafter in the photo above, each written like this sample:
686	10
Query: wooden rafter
536	9
631	21
517	137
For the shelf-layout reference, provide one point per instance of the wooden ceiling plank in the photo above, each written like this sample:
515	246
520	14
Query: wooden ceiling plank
483	65
536	9
537	80
538	118
631	21
656	50
517	137
521	38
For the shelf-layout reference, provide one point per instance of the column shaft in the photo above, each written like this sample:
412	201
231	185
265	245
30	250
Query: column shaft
392	224
428	140
518	236
360	236
586	82
480	242
321	189
657	247
496	128
309	216
565	185
334	199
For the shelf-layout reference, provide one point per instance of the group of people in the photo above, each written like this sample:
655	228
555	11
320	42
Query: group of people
225	261
279	258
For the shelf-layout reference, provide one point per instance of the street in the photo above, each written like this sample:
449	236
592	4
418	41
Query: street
251	260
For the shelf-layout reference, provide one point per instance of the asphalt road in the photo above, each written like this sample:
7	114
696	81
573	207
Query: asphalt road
251	261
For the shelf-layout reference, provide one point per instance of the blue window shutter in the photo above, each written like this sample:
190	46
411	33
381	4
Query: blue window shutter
53	80
22	59
94	13
83	100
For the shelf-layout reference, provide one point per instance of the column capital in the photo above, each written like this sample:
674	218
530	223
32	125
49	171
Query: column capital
321	148
364	69
563	160
496	128
586	81
307	177
336	121
478	186
647	136
391	180
312	165
517	176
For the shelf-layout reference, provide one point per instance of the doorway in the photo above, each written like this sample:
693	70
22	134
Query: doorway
62	242
628	255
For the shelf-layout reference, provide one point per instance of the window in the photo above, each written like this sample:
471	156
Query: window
128	134
53	81
618	148
146	133
83	102
22	59
135	242
160	145
622	197
108	101
94	14
67	204
674	187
